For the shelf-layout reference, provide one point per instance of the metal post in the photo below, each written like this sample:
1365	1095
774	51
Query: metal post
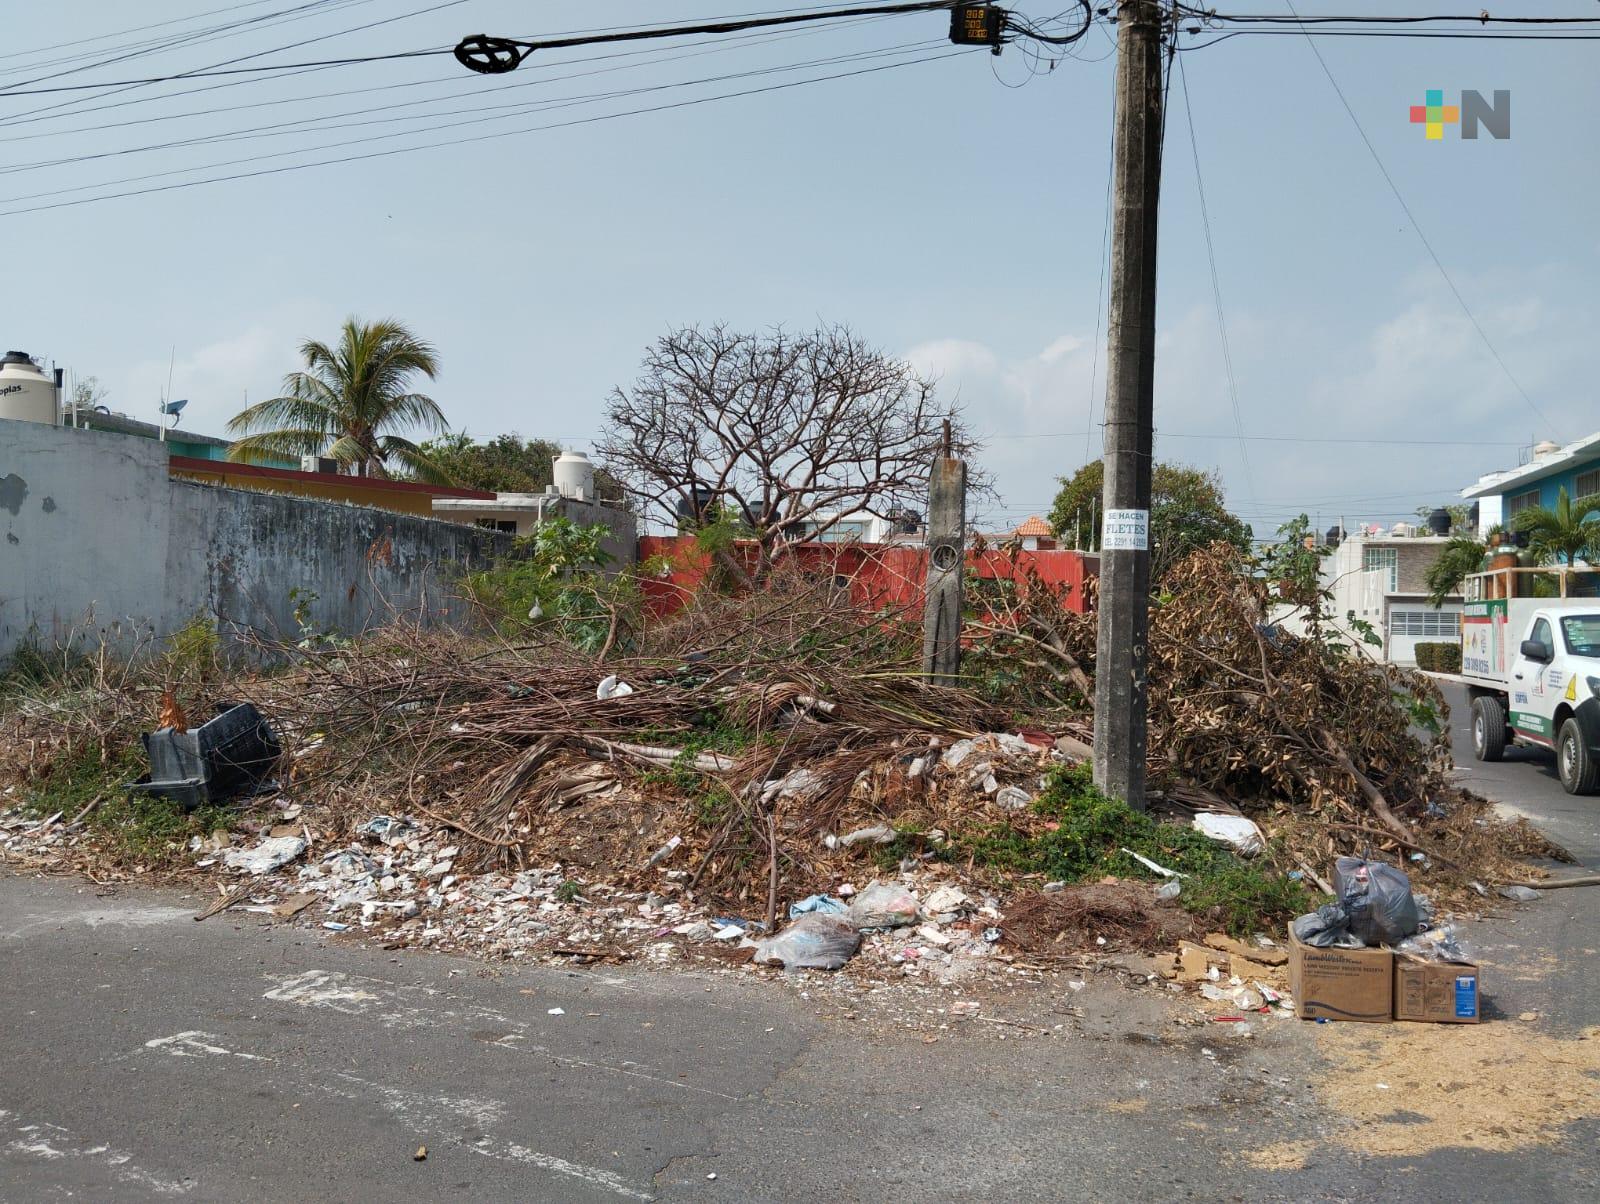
1121	657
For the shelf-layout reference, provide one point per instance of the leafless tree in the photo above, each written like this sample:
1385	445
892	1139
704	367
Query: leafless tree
783	433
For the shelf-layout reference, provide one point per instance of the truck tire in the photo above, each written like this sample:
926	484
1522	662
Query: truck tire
1488	728
1578	767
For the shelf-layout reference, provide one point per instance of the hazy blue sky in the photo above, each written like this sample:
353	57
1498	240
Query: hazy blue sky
950	218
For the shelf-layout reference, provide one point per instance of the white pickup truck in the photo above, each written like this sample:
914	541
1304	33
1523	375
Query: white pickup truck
1539	689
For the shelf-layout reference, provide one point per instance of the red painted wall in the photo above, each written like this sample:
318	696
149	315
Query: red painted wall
879	575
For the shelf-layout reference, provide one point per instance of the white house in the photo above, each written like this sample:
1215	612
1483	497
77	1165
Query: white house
1380	578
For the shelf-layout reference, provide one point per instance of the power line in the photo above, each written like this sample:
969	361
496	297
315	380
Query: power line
1105	256
271	171
1216	285
153	46
1415	225
475	114
467	86
227	66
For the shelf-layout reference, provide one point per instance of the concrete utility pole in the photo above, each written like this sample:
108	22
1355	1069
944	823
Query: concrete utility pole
947	558
1121	653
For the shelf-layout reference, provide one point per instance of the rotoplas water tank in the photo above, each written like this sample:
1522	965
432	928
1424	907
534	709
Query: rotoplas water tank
574	476
27	394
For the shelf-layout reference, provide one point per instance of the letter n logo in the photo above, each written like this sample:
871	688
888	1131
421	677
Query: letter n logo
1495	118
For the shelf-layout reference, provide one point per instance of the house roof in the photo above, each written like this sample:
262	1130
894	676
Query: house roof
1034	525
380	484
1537	469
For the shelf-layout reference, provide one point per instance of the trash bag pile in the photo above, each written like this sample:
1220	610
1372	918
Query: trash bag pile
1375	906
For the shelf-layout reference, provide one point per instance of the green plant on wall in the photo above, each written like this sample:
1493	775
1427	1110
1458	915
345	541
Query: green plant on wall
554	580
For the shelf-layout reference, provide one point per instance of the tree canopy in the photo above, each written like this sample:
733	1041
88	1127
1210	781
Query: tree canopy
780	433
505	464
1187	512
348	402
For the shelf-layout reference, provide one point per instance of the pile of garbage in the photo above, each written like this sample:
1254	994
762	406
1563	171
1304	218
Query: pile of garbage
1374	906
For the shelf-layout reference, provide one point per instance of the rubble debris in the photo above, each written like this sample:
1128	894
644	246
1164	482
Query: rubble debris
1264	956
270	854
421	1155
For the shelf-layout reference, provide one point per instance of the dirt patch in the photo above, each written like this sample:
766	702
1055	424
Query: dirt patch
1280	1156
1410	1088
1108	916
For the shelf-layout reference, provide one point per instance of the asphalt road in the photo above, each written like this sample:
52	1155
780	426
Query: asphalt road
144	1056
1525	783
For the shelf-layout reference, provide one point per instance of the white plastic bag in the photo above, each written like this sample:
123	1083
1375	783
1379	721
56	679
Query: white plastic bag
816	941
1235	831
883	905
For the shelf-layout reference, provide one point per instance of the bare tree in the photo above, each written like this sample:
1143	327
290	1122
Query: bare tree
786	433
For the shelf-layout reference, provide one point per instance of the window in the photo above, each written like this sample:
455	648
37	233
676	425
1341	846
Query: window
1383	560
1519	502
1425	624
1587	483
1541	634
1583	634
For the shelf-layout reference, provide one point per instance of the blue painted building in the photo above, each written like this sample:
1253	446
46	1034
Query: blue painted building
1501	495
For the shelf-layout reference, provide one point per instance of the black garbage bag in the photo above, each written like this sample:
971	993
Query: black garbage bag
1378	900
1326	928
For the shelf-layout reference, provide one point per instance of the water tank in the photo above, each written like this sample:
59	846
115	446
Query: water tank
1439	521
1334	536
574	476
26	393
1544	448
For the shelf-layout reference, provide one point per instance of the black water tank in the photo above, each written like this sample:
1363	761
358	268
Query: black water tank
1334	537
1439	521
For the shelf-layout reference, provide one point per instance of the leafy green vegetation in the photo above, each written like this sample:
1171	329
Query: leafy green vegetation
1086	842
149	831
555	583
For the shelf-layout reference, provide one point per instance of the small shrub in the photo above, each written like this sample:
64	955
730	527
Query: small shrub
1439	657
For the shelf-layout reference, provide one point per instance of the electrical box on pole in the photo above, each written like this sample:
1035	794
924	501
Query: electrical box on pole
978	25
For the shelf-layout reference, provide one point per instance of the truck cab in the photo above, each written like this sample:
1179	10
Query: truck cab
1532	668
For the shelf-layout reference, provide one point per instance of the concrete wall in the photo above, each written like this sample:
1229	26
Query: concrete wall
99	539
622	545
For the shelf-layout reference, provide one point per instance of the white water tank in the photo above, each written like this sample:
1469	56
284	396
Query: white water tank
26	393
574	476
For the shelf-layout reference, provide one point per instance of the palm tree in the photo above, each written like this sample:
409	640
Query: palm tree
1564	530
348	402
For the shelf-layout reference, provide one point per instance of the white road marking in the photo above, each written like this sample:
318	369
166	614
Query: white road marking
415	1107
511	1151
194	1044
332	989
53	1143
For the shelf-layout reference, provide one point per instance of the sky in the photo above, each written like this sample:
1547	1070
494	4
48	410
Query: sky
948	205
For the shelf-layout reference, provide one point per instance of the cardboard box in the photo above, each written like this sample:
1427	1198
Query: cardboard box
1440	992
1341	984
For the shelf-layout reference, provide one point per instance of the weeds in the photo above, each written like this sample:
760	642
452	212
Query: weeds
1085	839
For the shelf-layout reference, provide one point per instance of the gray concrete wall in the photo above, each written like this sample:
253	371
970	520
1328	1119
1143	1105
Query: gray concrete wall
99	541
622	545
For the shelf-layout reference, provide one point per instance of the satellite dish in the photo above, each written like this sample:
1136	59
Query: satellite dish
174	407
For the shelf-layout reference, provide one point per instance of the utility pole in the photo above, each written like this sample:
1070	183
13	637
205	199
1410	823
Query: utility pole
947	559
1121	652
